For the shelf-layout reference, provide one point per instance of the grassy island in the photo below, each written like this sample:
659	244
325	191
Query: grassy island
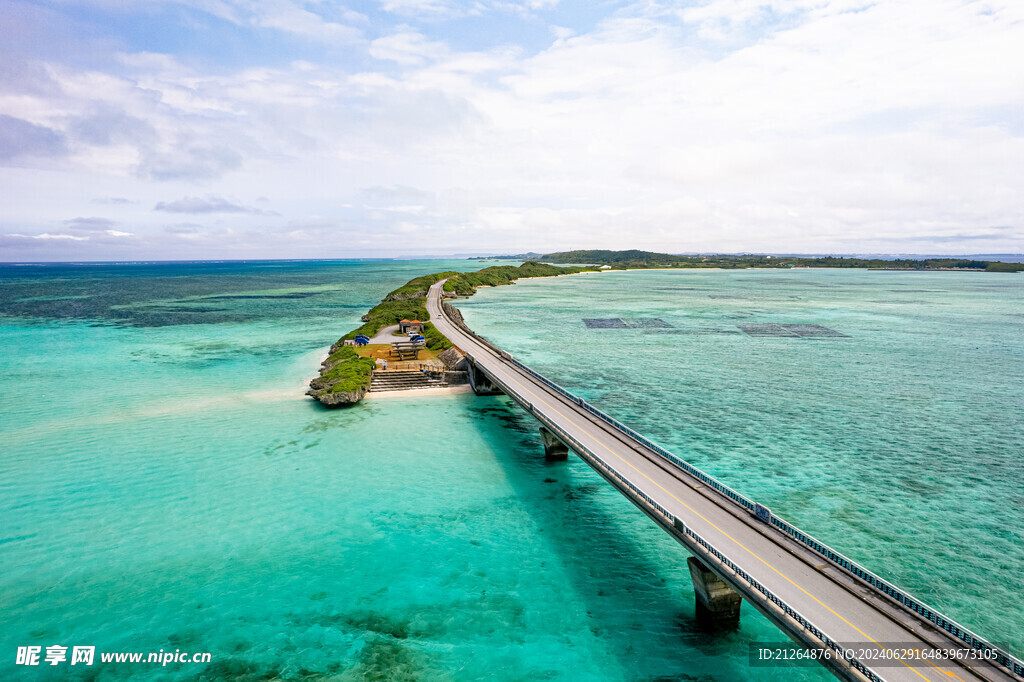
633	259
345	376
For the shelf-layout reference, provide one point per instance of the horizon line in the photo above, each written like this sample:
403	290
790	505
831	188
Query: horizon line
149	261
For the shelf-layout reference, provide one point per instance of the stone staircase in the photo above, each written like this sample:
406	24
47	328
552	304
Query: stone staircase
403	380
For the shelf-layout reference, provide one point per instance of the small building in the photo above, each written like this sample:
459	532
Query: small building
406	350
410	327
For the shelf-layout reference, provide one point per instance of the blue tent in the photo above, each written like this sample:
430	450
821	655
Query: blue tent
362	340
418	339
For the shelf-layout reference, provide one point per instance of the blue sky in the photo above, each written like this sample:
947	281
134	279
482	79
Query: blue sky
317	128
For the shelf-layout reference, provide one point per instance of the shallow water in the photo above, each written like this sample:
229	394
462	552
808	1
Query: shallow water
165	485
898	443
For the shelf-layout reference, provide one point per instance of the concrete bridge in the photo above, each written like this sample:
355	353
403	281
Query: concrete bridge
854	622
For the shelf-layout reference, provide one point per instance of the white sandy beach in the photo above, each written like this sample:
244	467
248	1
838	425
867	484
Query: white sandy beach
421	392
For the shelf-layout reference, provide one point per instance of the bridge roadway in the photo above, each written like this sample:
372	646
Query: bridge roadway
834	602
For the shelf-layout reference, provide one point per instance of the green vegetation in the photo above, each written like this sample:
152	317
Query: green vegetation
998	266
345	371
387	313
409	301
342	354
465	283
529	255
435	339
623	260
417	287
350	375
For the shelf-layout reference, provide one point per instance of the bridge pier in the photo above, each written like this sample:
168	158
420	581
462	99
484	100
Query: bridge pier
481	383
718	605
554	448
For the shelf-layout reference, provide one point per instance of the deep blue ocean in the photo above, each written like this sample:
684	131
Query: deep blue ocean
165	484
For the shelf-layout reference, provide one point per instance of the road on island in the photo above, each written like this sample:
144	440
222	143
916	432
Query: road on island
844	609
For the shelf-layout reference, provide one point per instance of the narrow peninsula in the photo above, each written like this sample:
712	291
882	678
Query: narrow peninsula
347	372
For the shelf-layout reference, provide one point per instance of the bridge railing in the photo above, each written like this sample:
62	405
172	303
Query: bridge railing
901	597
597	461
704	478
788	610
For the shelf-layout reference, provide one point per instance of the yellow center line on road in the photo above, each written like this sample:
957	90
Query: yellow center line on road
716	527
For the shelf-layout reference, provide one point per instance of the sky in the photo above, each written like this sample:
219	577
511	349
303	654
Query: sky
190	129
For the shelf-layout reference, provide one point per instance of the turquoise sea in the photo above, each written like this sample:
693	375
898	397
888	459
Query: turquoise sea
165	485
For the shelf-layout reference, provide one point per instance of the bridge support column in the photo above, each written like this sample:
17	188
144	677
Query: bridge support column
718	605
481	383
554	449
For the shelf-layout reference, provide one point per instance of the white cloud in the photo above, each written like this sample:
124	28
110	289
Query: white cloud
47	235
413	7
407	47
293	18
209	204
436	9
816	127
93	224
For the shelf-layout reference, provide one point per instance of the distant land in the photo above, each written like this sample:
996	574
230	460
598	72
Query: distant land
633	259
